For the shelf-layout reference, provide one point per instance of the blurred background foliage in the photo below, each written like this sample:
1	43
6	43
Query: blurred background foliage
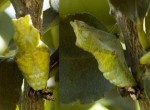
97	8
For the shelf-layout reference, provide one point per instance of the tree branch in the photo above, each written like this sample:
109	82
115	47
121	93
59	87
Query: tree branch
133	47
134	51
32	7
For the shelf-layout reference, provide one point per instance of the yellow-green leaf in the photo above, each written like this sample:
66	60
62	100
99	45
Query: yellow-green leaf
145	58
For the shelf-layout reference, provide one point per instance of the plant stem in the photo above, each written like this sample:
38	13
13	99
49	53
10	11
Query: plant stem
142	35
133	47
134	52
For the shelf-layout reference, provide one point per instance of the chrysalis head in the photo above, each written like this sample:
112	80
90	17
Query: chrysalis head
84	33
23	22
81	30
26	35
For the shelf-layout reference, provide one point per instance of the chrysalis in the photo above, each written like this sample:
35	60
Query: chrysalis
108	52
32	56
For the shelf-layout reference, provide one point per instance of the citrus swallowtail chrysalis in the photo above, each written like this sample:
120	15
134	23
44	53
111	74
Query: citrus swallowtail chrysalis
32	56
108	52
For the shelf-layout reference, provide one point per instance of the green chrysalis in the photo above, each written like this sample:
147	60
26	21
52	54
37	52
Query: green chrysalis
108	52
32	56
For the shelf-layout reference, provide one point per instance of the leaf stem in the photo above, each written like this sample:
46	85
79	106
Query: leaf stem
142	35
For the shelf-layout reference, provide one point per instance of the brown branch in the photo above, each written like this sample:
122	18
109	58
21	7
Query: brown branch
32	7
134	52
133	47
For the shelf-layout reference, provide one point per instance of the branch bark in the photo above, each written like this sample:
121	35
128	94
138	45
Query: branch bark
32	7
134	51
133	47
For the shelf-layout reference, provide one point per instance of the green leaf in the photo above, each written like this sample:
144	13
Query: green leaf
76	106
4	4
6	31
6	27
51	38
80	78
50	19
108	52
97	8
146	82
112	101
145	58
10	84
142	7
147	23
116	102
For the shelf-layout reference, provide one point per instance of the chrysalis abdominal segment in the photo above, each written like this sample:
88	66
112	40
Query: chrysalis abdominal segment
32	56
108	52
